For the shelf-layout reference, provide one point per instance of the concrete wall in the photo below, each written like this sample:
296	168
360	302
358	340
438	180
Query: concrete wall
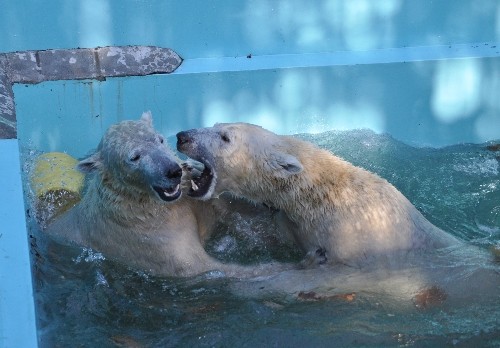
427	96
226	28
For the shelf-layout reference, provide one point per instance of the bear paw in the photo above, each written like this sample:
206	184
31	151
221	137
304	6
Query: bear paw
314	258
193	168
191	171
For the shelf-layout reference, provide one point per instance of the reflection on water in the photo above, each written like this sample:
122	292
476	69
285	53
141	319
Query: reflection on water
84	299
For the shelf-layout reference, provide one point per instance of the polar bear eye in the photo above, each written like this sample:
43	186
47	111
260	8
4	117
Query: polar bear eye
225	138
135	157
161	139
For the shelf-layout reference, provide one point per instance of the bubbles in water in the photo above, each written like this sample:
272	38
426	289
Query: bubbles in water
101	279
478	166
89	255
226	244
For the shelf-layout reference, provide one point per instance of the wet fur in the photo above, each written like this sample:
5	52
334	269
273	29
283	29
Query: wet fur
374	239
121	216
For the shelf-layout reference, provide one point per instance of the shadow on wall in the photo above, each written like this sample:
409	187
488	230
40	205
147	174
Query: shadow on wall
365	24
221	28
237	28
435	103
421	103
426	103
468	88
351	25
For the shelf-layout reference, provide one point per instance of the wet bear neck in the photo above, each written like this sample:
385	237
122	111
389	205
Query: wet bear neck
107	204
308	196
282	194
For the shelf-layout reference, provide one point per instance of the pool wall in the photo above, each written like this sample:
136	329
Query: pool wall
17	315
426	72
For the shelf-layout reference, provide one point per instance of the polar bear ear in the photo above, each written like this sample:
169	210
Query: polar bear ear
285	164
147	117
90	164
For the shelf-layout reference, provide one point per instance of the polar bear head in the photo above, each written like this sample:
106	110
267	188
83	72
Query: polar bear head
237	156
133	160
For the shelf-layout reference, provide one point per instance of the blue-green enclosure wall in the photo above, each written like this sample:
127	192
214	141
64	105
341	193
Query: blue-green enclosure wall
427	102
220	28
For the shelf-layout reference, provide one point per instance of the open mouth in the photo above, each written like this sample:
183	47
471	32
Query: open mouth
202	184
168	194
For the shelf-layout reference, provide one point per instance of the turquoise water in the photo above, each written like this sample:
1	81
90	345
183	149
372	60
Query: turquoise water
84	299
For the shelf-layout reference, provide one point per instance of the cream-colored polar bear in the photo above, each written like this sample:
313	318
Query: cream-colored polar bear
132	210
348	214
370	238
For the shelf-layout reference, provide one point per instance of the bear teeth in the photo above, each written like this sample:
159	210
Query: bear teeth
194	186
174	192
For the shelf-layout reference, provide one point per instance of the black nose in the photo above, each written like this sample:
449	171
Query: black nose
174	173
182	138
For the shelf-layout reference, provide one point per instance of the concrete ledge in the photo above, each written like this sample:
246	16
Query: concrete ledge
340	58
136	61
7	113
63	64
76	64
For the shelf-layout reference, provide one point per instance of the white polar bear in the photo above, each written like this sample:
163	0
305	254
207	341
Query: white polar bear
351	215
132	210
373	238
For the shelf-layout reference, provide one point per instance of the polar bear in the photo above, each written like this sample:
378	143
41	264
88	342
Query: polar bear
369	237
133	210
348	214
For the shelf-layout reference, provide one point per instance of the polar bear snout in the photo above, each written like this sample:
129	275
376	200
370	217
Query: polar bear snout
193	142
186	143
202	184
174	173
164	175
197	144
168	188
183	138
